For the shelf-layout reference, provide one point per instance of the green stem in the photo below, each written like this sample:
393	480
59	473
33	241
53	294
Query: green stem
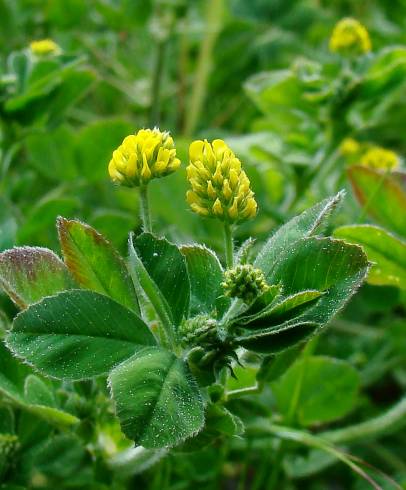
249	390
290	417
144	209
228	245
204	63
391	420
129	461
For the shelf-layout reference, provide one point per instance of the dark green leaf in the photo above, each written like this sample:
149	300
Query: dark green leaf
282	310
157	400
205	274
304	225
77	334
320	264
167	267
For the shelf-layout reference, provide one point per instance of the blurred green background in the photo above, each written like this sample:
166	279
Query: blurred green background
257	73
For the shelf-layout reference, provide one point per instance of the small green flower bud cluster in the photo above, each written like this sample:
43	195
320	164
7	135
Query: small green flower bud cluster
244	282
9	445
199	330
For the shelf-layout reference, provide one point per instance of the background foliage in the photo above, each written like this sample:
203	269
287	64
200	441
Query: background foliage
258	74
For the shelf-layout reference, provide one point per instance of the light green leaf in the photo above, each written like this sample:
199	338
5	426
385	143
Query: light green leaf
206	274
157	400
8	225
306	224
94	262
41	218
167	267
36	392
381	195
328	389
384	250
77	334
96	143
53	153
27	274
14	377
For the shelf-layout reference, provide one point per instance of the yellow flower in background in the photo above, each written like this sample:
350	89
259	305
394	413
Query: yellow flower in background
350	37
377	157
146	155
349	147
220	188
44	47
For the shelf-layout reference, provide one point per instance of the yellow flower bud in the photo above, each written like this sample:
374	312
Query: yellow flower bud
220	188
349	147
350	38
44	47
377	157
146	155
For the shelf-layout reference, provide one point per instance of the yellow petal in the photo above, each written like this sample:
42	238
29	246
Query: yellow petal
196	150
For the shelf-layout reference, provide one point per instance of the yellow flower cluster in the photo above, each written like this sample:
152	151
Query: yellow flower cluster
350	38
44	47
220	188
143	156
349	147
377	157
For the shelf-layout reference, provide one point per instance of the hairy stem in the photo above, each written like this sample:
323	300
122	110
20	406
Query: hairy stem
228	245
144	209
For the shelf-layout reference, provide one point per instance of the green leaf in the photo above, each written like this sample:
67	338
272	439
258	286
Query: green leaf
320	264
94	262
328	389
16	386
27	274
272	367
77	334
381	195
205	274
96	143
306	224
157	400
62	458
41	218
386	72
37	392
146	284
8	225
167	267
53	153
384	250
282	310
